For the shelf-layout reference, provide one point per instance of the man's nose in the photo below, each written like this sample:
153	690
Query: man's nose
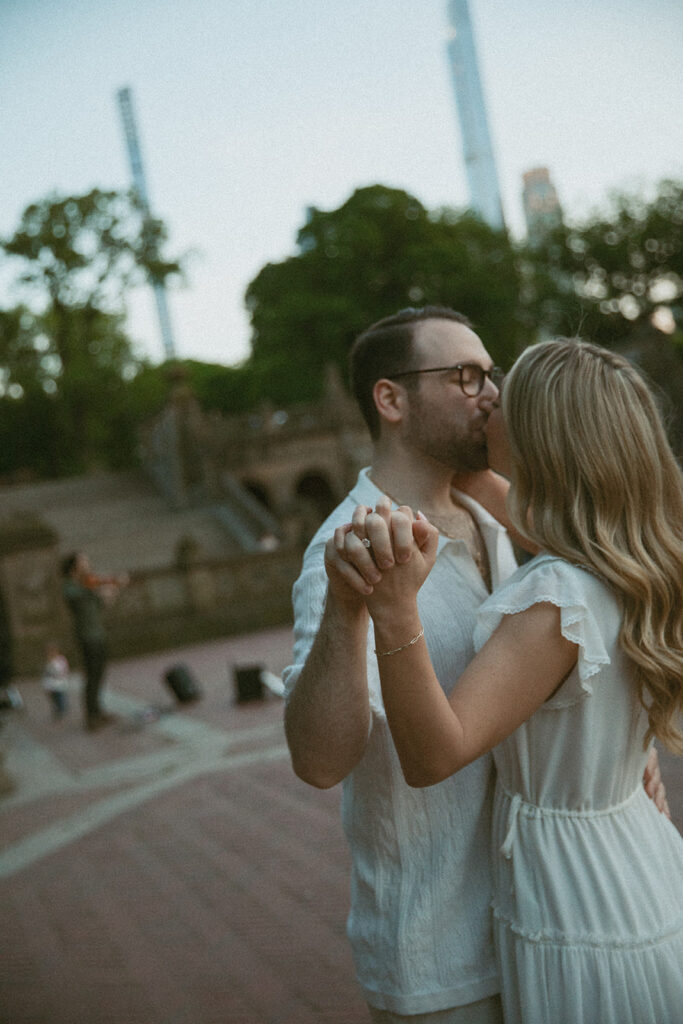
488	396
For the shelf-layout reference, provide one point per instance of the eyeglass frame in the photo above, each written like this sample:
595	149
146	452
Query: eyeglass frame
494	370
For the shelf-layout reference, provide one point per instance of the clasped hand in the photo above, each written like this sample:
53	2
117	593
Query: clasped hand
382	556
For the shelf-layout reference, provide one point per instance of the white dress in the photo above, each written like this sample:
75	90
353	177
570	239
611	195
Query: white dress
588	875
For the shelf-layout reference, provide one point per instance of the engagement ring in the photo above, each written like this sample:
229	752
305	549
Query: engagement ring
365	542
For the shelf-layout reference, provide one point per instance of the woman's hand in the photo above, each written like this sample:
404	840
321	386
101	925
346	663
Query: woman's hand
359	550
350	568
383	555
414	543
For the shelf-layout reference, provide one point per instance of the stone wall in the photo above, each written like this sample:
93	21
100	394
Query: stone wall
268	478
160	609
203	600
305	456
33	612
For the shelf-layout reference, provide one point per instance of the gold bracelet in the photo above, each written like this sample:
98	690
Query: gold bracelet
383	654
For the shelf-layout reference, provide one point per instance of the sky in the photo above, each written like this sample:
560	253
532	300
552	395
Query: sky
251	111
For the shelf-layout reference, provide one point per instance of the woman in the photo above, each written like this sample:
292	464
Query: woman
580	665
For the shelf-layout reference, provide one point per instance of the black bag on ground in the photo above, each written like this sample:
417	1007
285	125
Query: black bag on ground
182	684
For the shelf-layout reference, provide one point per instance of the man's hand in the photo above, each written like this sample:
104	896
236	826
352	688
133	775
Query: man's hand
361	550
414	543
383	556
654	787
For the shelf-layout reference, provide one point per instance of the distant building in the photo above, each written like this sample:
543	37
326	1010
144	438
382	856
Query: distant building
480	164
542	209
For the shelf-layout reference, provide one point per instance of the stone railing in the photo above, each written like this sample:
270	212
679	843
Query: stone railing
165	608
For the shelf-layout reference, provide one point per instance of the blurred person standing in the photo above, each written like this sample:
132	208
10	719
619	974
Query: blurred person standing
85	593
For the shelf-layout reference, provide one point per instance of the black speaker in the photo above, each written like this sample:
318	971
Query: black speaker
182	684
248	683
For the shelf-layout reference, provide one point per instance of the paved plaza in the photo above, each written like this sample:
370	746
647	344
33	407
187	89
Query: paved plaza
170	869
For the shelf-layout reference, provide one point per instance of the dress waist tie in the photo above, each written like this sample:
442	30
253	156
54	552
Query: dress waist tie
513	812
532	810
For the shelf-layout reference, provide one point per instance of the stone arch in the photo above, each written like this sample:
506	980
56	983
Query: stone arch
259	491
314	488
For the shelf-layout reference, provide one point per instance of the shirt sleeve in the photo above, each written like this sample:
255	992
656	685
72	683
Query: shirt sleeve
308	600
577	594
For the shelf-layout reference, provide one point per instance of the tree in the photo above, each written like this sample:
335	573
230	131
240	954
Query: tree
85	250
608	275
77	256
217	388
380	251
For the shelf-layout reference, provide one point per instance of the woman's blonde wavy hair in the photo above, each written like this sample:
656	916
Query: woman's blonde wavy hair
594	481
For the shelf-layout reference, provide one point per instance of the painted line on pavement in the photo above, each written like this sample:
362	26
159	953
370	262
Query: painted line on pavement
26	852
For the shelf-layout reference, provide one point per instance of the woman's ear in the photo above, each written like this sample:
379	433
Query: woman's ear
390	400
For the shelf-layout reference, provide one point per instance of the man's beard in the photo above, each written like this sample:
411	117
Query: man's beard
458	450
459	454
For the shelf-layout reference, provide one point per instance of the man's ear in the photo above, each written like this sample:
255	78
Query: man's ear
390	399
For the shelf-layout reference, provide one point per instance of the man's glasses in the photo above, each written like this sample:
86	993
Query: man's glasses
471	377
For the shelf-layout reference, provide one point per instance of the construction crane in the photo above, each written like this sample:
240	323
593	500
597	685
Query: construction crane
126	106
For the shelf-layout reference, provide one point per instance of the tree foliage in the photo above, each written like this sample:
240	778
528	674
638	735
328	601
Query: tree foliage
609	274
73	392
217	388
63	348
85	250
379	252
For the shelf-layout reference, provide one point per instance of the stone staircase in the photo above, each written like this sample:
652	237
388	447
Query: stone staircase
122	521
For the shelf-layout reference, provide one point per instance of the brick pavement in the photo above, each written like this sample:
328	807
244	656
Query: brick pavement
174	871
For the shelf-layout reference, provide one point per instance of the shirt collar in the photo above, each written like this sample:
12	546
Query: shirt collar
365	492
501	556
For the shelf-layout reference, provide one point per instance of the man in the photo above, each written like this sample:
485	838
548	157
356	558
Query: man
419	922
84	593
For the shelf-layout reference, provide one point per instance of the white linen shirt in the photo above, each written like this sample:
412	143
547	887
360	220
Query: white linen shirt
419	922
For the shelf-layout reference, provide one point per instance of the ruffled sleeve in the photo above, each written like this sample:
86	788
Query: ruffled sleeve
578	594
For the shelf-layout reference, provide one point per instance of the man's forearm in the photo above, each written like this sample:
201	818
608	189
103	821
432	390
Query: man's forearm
327	716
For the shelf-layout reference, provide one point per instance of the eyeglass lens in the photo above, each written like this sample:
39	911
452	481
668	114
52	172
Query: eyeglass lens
472	378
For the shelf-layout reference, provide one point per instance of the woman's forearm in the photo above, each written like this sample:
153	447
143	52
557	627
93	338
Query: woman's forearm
426	731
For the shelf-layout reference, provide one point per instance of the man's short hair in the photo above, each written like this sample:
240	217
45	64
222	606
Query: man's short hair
386	348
